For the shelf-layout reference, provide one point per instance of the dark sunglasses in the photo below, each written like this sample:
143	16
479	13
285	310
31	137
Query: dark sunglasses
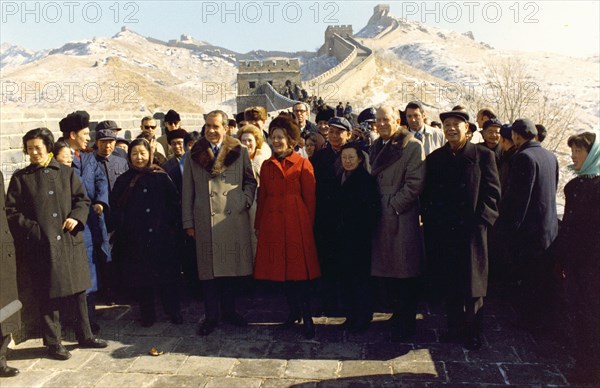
172	122
149	126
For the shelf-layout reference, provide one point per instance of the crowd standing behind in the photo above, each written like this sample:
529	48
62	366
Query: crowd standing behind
365	210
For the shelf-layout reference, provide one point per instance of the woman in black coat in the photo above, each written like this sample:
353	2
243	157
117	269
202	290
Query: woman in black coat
577	248
147	219
47	207
359	209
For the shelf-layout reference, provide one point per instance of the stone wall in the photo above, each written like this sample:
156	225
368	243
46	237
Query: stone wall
353	80
315	83
276	72
14	123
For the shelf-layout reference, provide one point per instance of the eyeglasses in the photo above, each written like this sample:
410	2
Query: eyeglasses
172	122
349	158
149	126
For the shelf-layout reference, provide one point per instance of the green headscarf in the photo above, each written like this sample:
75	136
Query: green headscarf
591	166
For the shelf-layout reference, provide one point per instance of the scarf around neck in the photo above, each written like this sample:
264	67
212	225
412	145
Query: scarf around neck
591	165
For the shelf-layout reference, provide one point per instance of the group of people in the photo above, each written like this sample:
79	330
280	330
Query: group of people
392	199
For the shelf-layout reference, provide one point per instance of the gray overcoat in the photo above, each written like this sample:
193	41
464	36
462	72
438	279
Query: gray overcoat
399	167
217	194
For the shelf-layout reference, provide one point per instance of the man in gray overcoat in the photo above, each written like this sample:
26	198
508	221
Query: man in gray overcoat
397	253
218	190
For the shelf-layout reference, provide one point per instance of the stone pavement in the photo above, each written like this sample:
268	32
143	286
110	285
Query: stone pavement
263	355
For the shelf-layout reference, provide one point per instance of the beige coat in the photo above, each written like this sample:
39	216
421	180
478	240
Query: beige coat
217	193
399	167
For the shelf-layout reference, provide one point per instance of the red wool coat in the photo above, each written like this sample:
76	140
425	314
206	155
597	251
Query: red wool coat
284	217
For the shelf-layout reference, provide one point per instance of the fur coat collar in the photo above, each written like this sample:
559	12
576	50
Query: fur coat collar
391	152
202	153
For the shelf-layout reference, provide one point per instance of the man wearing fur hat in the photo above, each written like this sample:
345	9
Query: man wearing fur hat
76	132
218	190
172	123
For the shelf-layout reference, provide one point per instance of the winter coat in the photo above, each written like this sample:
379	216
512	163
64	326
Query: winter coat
359	212
217	193
284	218
327	167
148	234
577	246
459	203
113	166
528	208
95	233
8	269
50	260
400	171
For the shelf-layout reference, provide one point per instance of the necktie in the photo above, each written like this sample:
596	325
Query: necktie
216	151
419	136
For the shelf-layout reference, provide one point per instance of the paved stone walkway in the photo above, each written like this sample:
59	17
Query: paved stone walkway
263	355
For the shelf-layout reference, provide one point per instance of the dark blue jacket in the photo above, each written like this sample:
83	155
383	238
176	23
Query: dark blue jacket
528	207
95	233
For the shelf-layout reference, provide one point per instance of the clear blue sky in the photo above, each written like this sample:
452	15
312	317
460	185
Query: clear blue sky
565	27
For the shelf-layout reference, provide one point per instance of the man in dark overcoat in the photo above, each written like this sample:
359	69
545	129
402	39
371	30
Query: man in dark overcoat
459	204
529	221
8	288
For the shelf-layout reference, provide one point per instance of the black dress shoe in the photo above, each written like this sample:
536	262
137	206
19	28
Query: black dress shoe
206	327
7	371
472	342
58	352
399	335
308	328
452	336
290	322
235	319
93	343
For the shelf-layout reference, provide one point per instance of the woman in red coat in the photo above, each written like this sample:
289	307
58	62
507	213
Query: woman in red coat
286	249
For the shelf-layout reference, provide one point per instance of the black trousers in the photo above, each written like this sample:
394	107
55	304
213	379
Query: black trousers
169	297
76	306
3	349
464	314
357	297
403	294
219	291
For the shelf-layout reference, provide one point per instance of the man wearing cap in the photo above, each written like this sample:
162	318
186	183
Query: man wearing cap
76	132
508	150
172	123
397	244
366	119
106	152
491	137
174	165
432	138
328	167
529	221
113	166
459	204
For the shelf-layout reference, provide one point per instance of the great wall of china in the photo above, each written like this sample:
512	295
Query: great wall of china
355	68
